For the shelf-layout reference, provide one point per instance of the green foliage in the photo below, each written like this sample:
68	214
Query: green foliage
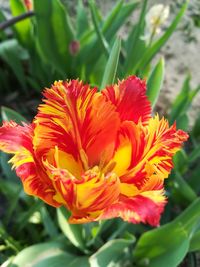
155	82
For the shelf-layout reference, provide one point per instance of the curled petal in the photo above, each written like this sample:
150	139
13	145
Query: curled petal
129	97
88	197
160	144
16	139
77	119
146	207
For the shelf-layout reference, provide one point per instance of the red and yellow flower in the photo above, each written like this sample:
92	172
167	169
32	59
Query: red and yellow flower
99	154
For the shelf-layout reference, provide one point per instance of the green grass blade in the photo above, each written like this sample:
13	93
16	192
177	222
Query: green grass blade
168	245
8	114
54	34
82	22
111	66
23	29
134	45
155	82
102	40
151	52
72	231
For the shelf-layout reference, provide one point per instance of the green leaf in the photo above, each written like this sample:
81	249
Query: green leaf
180	161
92	47
193	179
6	167
13	54
151	52
182	122
118	19
112	16
48	222
74	232
180	103
135	46
31	256
110	253
2	19
82	22
111	66
196	129
24	217
195	242
80	261
183	101
155	82
54	34
23	28
8	114
184	188
195	154
102	40
168	245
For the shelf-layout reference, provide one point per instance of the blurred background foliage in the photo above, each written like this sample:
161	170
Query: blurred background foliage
62	40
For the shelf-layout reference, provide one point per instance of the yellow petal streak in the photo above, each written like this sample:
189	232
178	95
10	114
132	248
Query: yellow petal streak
122	158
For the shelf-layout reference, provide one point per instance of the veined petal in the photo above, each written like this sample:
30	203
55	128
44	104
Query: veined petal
129	97
16	139
76	119
146	207
160	144
88	197
129	147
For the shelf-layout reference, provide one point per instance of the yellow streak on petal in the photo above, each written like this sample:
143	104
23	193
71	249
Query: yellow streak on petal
122	158
155	195
128	190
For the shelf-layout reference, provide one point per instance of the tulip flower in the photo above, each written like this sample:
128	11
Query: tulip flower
99	154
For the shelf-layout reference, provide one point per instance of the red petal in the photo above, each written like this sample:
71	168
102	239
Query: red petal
76	119
17	140
138	209
129	96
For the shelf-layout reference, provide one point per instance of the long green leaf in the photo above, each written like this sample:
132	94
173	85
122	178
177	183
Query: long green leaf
48	222
72	231
54	34
111	66
110	254
184	188
151	52
23	28
135	46
8	114
102	40
168	245
155	82
82	22
195	242
13	54
31	256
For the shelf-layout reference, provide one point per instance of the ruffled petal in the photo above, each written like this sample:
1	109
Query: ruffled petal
16	139
146	208
128	149
87	197
160	144
129	97
76	119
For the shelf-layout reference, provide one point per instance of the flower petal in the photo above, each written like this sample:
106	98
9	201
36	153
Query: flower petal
129	97
86	198
16	139
76	119
146	207
160	144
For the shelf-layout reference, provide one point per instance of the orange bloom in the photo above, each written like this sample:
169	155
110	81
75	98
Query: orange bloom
100	154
